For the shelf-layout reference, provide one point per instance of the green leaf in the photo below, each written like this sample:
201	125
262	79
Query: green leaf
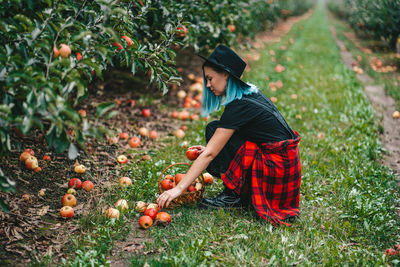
72	151
104	108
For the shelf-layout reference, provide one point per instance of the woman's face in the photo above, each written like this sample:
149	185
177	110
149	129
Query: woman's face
215	81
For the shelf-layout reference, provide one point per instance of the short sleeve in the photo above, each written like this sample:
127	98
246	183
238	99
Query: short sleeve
237	114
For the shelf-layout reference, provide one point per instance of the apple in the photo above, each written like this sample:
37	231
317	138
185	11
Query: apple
134	142
153	135
179	133
56	52
124	135
26	197
37	169
143	131
194	117
174	114
153	206
197	105
178	177
71	191
46	158
198	186
192	153
187	105
118	46
87	186
65	50
68	200
122	159
122	204
112	213
31	163
167	184
145	221
196	87
181	31
24	156
208	178
75	183
146	112
128	40
30	151
183	115
391	252
191	76
151	212
67	212
125	182
42	192
191	188
80	169
169	177
181	94
183	127
163	217
140	206
78	56
232	27
396	114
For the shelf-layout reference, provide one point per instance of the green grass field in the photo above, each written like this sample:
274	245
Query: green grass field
348	200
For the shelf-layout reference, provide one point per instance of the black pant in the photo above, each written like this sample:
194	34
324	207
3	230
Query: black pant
221	163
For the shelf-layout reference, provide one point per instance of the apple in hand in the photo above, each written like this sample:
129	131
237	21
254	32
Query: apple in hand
145	221
67	212
75	183
112	213
87	186
68	200
163	217
140	206
151	212
122	159
192	153
125	182
167	184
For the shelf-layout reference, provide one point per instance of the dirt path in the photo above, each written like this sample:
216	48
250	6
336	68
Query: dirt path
384	106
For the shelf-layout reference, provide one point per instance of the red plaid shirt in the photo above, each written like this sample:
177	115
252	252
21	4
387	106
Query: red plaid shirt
275	177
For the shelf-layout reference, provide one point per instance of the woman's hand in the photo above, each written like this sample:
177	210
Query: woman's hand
199	148
165	198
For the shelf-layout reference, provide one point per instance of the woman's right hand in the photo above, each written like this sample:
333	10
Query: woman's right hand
199	148
166	197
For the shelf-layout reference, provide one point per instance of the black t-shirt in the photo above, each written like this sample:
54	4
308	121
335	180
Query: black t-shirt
256	119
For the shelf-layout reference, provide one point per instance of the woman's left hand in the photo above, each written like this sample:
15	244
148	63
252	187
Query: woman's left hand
165	198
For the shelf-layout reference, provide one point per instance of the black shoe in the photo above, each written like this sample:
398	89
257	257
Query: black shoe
227	199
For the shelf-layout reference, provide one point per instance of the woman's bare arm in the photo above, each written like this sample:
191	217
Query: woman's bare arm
214	146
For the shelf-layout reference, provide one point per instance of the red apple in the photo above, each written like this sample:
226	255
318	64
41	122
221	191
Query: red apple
187	105
179	133
134	142
37	169
391	252
153	135
191	188
183	115
31	163
146	112
232	27
182	31
145	221
183	127
169	177
178	177
78	56
192	153
68	200
140	206
67	212
151	212
30	151
122	204
194	117
80	169
75	183
125	182
208	178
163	217
56	52
153	206
87	186
167	184
64	51
124	135
122	159
24	156
46	158
112	213
174	114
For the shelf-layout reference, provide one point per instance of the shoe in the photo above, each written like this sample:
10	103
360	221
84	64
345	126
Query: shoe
227	199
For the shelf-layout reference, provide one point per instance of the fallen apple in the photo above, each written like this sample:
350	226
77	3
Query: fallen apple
146	112
46	158
122	159
163	217
174	114
179	133
26	197
112	213
146	157
67	212
145	221
208	178
122	204
87	186
153	135
31	162
41	192
151	212
153	206
396	114
68	200
140	206
124	135
134	142
143	131
183	115
75	183
125	182
37	169
71	191
181	94
80	169
24	156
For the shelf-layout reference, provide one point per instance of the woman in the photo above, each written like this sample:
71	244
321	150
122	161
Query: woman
251	148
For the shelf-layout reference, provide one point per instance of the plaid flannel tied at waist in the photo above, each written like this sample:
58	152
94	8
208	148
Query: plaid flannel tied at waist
275	177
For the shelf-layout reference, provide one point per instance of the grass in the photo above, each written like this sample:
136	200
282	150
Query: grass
348	200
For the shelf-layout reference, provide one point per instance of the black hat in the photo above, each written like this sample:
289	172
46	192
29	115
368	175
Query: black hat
228	60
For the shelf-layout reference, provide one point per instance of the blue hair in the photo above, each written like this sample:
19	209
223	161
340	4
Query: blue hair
234	90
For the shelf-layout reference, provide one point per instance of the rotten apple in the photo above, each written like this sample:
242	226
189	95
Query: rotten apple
112	213
140	206
145	221
122	204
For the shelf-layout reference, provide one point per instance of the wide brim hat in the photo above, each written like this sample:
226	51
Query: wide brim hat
227	59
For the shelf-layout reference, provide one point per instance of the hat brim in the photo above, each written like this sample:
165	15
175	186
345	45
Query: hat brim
224	68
